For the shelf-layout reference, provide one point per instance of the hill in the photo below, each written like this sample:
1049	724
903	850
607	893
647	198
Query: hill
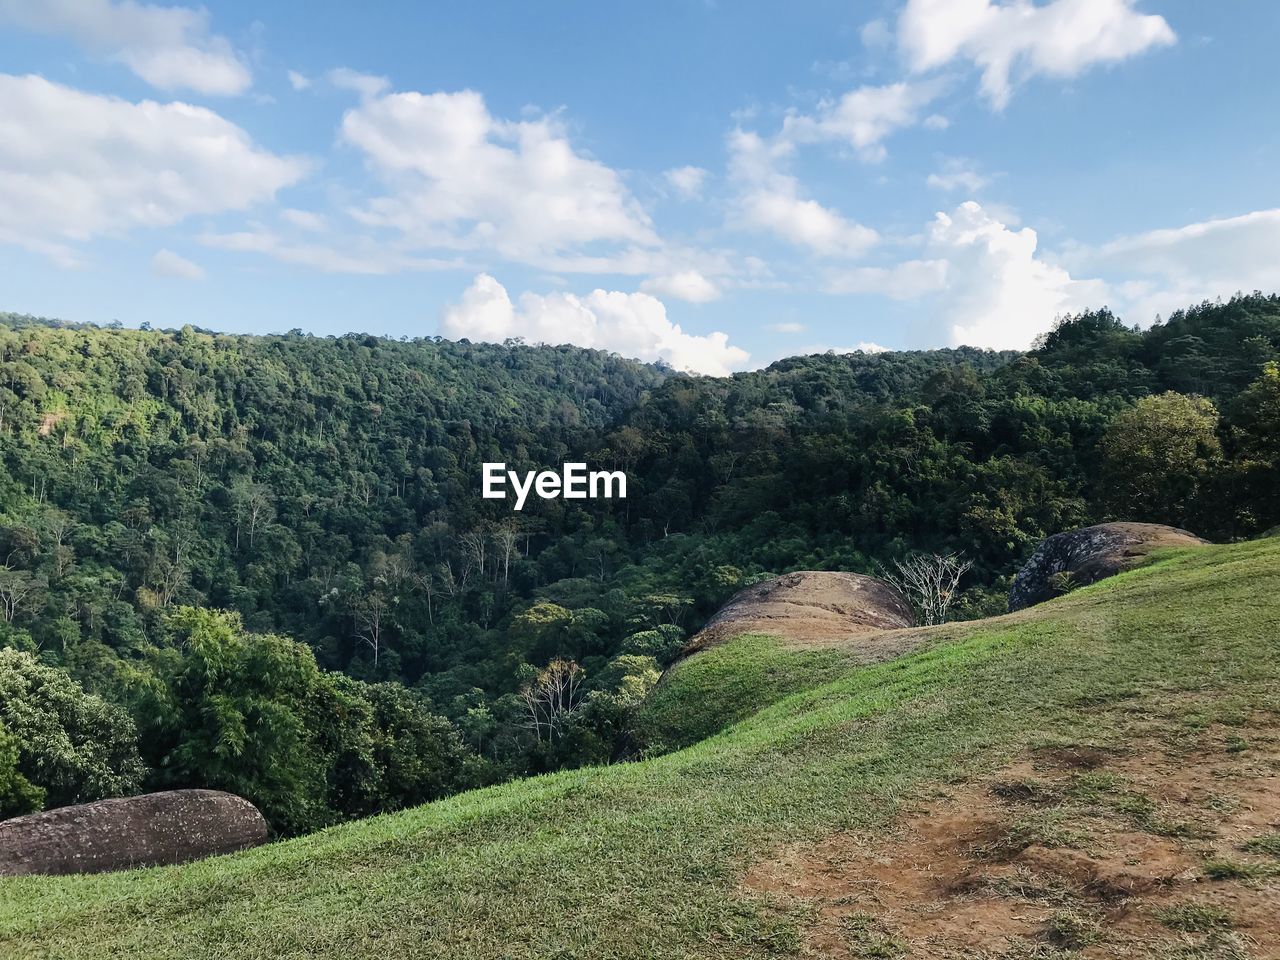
199	531
1060	728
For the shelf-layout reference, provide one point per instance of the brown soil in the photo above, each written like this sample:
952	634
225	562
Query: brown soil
809	607
1073	851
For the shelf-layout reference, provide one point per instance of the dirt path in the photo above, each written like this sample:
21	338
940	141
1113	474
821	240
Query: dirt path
1168	848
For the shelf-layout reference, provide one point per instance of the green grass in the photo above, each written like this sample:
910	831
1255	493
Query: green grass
717	687
1268	843
645	860
1194	918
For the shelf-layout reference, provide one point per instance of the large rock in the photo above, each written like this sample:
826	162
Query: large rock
174	826
809	606
1081	557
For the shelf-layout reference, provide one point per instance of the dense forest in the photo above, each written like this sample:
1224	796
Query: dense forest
262	563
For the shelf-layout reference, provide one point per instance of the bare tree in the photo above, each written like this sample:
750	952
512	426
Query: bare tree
551	698
475	545
58	526
929	581
370	617
254	506
505	538
16	586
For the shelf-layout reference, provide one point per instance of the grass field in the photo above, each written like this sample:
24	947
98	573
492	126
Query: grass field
646	860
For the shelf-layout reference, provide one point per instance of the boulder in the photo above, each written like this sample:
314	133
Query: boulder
175	826
1081	557
809	606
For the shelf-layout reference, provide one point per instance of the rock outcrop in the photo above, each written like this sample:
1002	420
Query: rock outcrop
1081	557
175	826
809	606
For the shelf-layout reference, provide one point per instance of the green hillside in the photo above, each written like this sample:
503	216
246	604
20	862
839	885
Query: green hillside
199	531
646	859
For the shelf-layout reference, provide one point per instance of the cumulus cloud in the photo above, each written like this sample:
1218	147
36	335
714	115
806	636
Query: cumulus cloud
772	200
461	178
1162	270
168	47
864	117
166	263
75	164
688	285
1020	39
365	84
957	174
632	324
299	81
687	181
998	292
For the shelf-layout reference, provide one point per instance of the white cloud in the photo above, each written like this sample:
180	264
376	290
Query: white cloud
998	292
299	81
1060	38
75	164
772	200
935	121
304	220
168	47
788	327
632	324
1163	270
365	84
364	257
903	281
688	285
864	117
166	263
464	179
876	34
957	174
688	181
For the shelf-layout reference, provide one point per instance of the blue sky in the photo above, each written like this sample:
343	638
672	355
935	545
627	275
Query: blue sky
712	184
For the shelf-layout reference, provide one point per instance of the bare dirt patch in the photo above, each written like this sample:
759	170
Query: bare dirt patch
1169	848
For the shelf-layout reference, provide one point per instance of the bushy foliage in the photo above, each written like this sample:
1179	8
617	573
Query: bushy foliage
72	745
325	492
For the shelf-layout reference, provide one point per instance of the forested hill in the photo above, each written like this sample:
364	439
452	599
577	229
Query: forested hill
226	551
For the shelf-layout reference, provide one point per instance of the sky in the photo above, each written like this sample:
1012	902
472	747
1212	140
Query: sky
707	183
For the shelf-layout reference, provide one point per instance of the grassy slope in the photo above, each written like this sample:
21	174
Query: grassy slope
719	686
642	860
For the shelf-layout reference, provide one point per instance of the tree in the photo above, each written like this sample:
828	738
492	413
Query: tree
73	745
929	580
254	506
371	612
17	588
551	698
505	538
231	714
1156	457
18	795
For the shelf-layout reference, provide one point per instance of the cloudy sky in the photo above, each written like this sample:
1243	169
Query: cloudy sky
714	184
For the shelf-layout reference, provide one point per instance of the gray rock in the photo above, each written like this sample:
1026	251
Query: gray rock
1078	558
175	826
